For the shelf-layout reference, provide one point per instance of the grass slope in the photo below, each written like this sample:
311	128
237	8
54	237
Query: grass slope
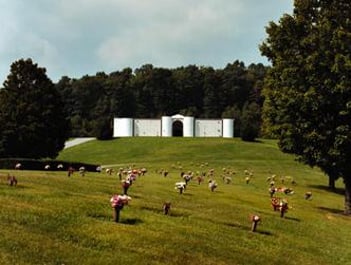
50	218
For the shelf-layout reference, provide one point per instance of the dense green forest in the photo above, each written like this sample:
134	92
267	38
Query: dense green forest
91	102
38	116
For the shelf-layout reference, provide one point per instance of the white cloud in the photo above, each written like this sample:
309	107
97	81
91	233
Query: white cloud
172	38
77	37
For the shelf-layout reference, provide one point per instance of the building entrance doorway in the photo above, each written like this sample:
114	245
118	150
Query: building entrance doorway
177	129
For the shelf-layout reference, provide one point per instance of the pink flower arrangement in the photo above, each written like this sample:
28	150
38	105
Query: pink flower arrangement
119	200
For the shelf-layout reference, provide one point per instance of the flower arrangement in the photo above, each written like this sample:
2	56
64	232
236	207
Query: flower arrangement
308	195
275	201
117	203
125	183
180	186
255	218
119	200
212	184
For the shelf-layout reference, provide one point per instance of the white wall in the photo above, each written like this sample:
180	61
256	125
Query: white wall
122	127
166	123
127	127
188	127
228	128
208	128
147	127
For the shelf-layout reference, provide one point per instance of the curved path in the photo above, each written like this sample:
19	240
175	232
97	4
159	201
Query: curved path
77	141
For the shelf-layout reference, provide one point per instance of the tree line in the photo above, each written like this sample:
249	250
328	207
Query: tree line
37	115
91	102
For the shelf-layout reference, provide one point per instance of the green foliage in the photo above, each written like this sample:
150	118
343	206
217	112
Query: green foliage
212	95
32	118
52	219
188	89
104	130
237	83
308	89
151	92
250	122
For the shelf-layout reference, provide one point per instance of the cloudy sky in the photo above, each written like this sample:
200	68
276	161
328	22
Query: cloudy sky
78	37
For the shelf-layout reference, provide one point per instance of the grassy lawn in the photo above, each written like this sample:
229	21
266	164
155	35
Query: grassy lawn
50	218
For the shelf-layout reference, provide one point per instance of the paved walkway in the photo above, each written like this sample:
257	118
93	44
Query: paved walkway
77	141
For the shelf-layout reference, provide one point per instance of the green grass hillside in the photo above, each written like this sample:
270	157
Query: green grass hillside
50	218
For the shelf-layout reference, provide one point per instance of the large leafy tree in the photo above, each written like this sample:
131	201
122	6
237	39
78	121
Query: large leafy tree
33	123
308	89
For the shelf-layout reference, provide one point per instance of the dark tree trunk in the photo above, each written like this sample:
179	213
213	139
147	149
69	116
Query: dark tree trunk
347	196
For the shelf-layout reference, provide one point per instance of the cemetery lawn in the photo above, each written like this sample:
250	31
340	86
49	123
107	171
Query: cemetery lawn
50	218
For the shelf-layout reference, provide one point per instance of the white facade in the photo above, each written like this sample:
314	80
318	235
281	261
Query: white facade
188	128
177	125
228	128
166	123
208	128
123	127
147	127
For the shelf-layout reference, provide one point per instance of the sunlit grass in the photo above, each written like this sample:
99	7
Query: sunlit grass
50	218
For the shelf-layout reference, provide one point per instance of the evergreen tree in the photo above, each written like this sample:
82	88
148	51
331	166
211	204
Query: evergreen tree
33	122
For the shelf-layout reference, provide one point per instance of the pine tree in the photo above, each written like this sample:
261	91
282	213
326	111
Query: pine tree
33	123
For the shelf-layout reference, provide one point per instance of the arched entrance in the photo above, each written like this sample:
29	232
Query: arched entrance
177	128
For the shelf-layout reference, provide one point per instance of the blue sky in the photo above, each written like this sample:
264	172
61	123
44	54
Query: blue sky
78	37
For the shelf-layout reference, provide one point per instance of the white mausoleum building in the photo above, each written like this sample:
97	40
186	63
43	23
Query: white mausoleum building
176	125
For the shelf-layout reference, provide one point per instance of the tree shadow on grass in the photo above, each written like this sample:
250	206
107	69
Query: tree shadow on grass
339	191
331	210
